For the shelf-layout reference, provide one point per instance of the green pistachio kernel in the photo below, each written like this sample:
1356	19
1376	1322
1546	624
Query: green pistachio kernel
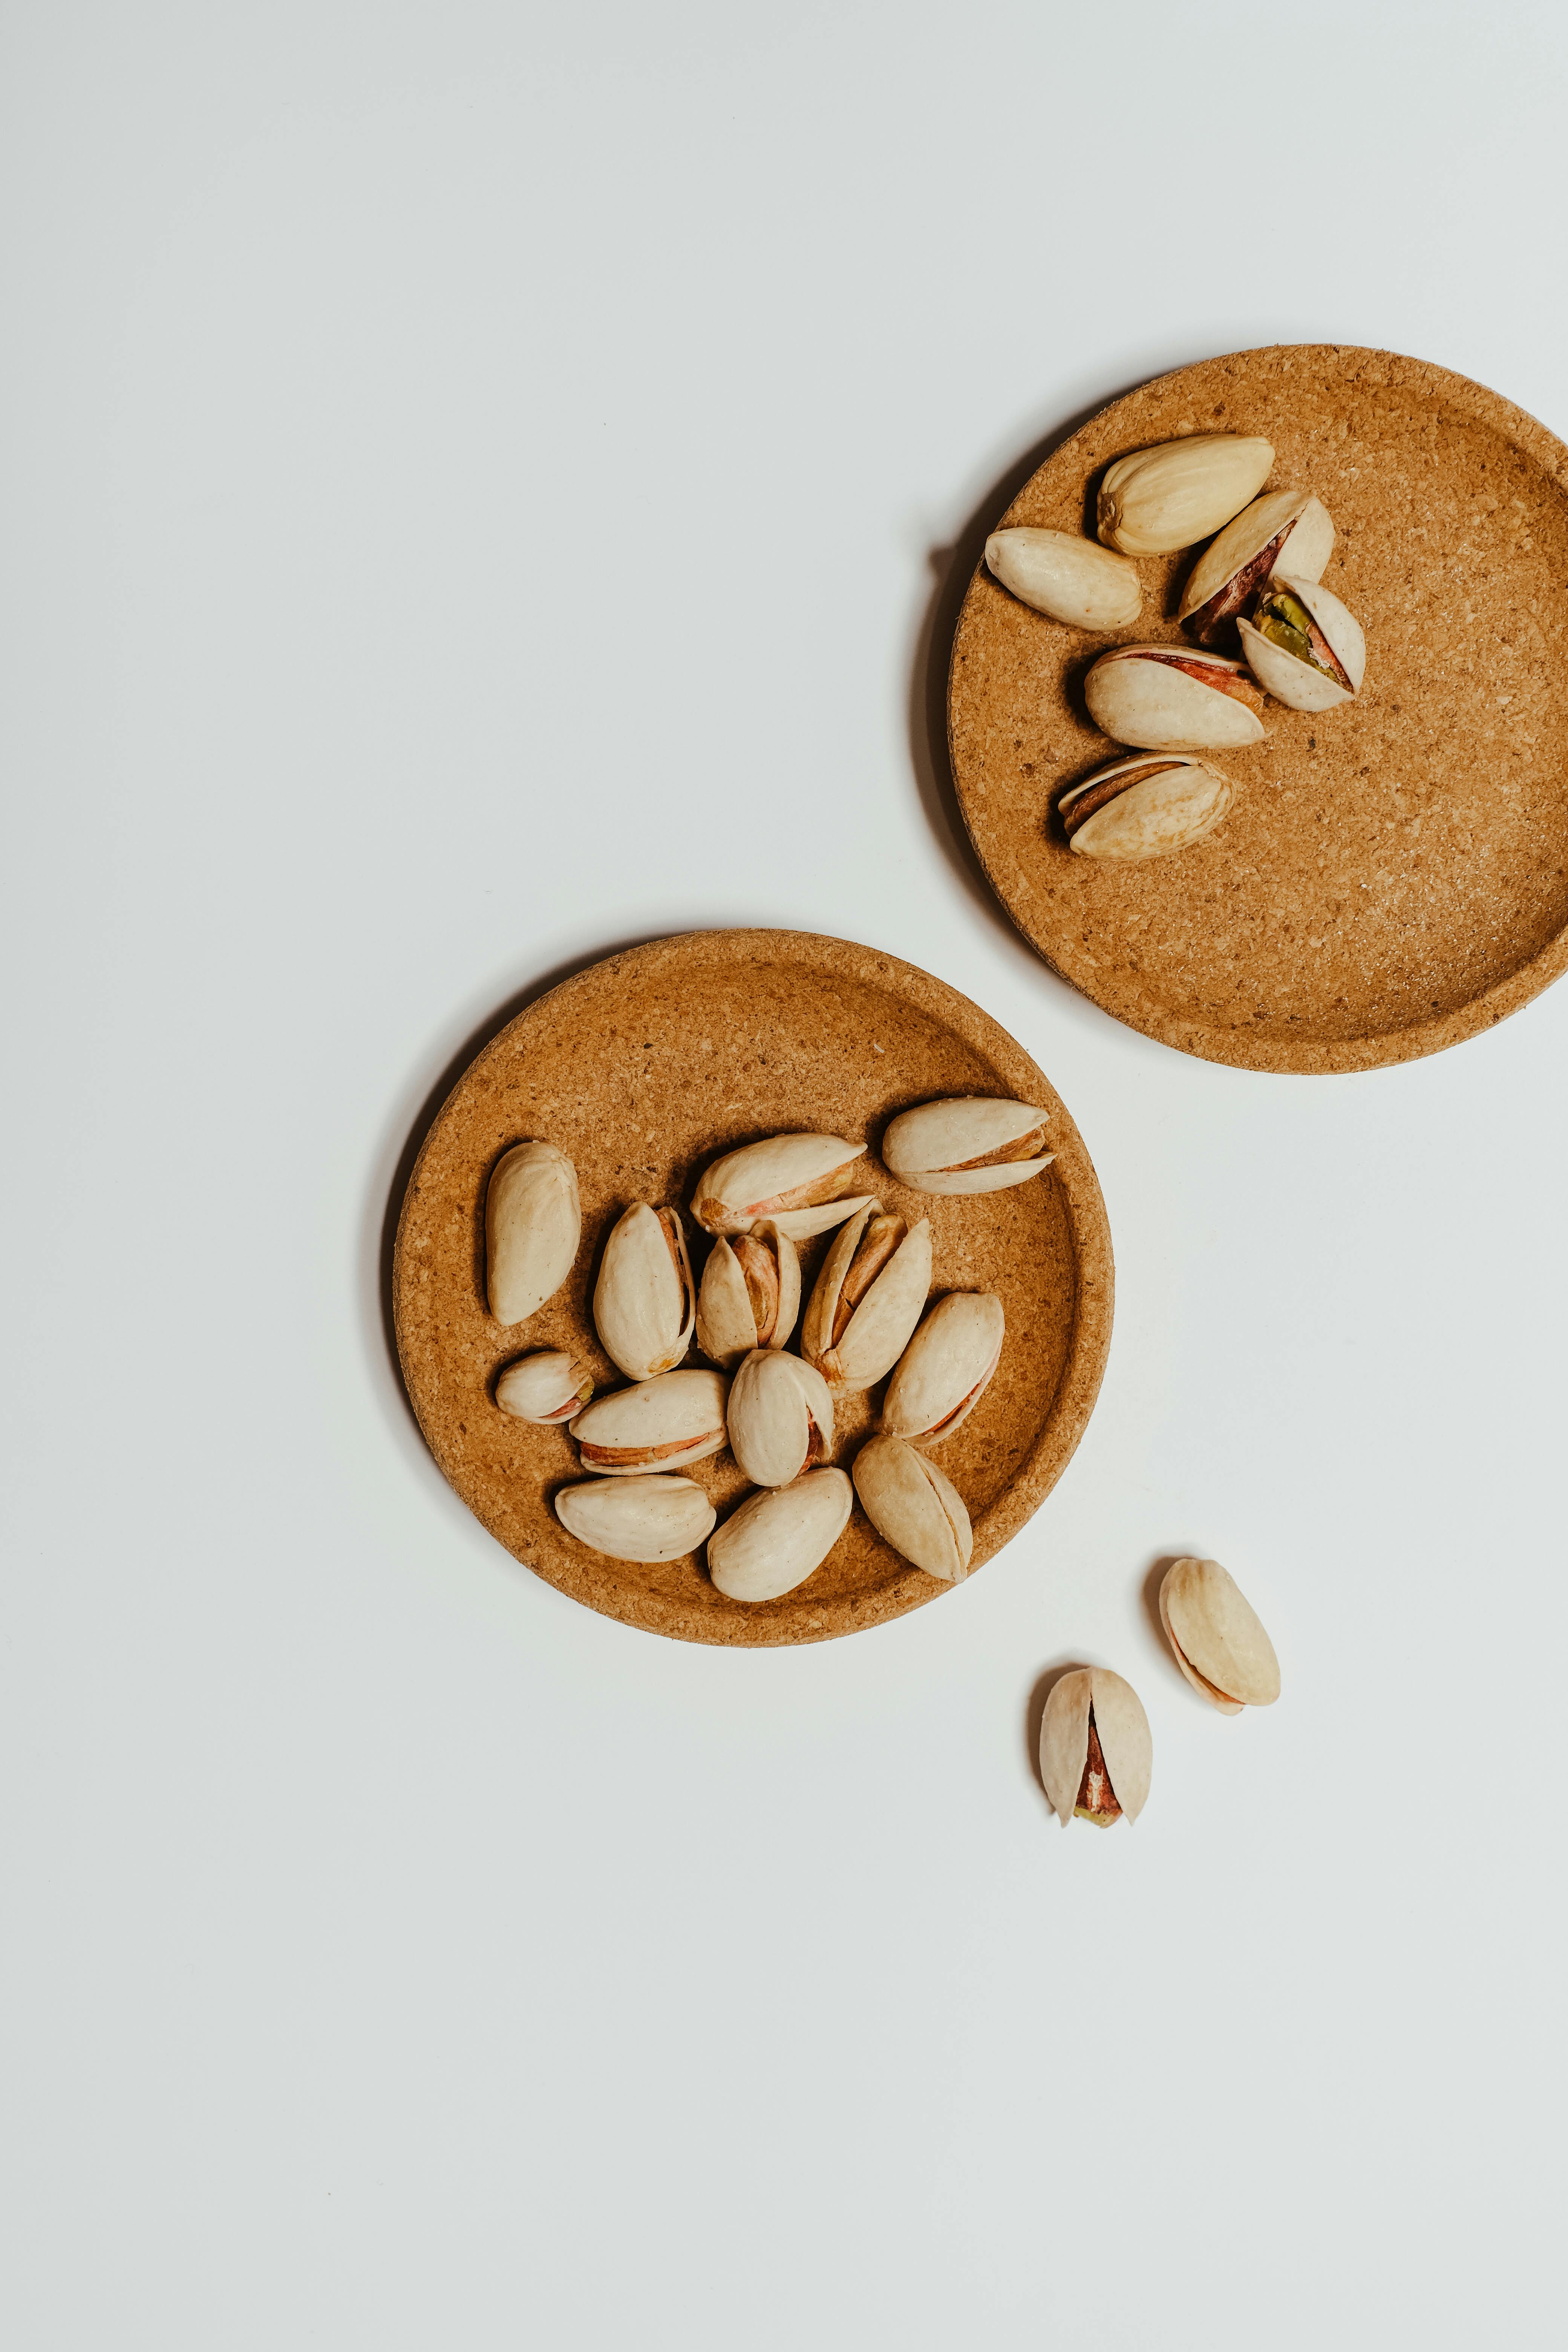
1284	621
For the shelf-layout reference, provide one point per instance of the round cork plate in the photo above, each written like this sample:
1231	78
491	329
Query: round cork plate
1394	875
643	1069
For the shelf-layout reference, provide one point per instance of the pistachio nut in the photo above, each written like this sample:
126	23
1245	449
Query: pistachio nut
1303	645
1173	698
1147	806
546	1387
946	1368
798	1183
750	1295
1287	528
644	1301
779	1537
658	1424
969	1143
914	1506
780	1417
1066	577
868	1299
1158	500
1096	1753
532	1228
1218	1641
637	1519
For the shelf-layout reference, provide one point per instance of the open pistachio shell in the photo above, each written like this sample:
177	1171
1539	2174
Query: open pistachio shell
798	1182
1155	500
777	1538
914	1506
1148	806
645	1302
1089	1709
1173	698
867	1298
750	1295
1063	575
1218	1640
946	1368
1284	530
969	1143
532	1226
547	1387
637	1519
780	1417
658	1424
1314	667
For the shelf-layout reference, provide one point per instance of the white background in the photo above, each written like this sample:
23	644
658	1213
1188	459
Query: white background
476	481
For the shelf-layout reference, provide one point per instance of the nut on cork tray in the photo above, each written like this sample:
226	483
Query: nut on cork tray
1288	530
1304	645
969	1144
780	1536
914	1506
646	1518
658	1424
750	1295
534	1224
1173	699
799	1183
1156	500
1147	806
1068	577
867	1298
645	1302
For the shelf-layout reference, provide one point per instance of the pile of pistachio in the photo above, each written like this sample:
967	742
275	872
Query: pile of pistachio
869	1316
1259	581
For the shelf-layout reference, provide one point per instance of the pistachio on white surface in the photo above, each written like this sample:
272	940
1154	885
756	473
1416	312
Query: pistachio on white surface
1173	698
1155	500
1286	529
798	1183
1147	806
1067	576
1096	1753
914	1506
532	1226
1217	1637
644	1300
748	1296
867	1298
946	1368
779	1537
646	1518
969	1143
547	1387
780	1417
1304	645
658	1424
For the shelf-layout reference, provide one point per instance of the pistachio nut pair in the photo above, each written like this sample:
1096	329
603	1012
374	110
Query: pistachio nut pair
799	1183
648	1519
658	1424
549	1387
779	1537
1304	645
1218	1640
969	1143
645	1302
1066	577
1148	806
914	1506
1173	698
1288	530
780	1417
1096	1752
867	1298
748	1296
947	1366
532	1226
1158	500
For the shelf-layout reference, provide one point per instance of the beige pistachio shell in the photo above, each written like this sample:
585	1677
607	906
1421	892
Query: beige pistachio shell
946	1368
547	1387
1219	1643
658	1424
798	1182
735	1314
914	1506
1162	698
1284	529
969	1143
1163	801
637	1519
777	1538
1158	500
644	1301
1061	573
1295	682
780	1417
532	1228
879	1328
1123	1729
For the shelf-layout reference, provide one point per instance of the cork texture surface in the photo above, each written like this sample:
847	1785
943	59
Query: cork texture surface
643	1069
1394	875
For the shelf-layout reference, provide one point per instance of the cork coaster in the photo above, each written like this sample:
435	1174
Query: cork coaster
643	1070
1394	875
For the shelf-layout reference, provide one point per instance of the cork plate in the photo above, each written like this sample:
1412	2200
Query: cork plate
643	1069
1394	876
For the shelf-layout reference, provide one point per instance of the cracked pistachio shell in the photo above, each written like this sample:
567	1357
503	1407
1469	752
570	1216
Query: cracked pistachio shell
547	1387
532	1226
914	1506
883	1272
750	1295
1148	806
1219	1644
637	1519
1123	1729
969	1143
777	1538
946	1368
1173	698
1067	576
780	1417
1288	528
1298	683
798	1183
658	1424
1158	500
644	1301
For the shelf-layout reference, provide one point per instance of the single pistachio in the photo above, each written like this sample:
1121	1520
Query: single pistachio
914	1506
867	1298
546	1387
750	1295
1173	698
1289	528
637	1519
1304	645
1219	1644
532	1228
1158	500
946	1368
1148	806
658	1424
799	1183
779	1537
780	1417
1096	1752
644	1300
968	1143
1066	577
